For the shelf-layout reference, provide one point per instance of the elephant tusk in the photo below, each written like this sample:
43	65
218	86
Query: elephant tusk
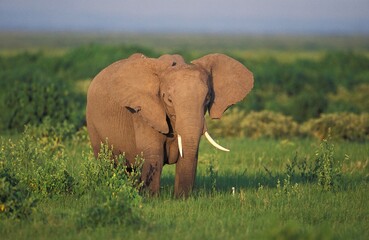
180	145
214	143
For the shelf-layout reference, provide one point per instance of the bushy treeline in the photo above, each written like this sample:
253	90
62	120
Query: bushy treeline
268	124
38	85
304	89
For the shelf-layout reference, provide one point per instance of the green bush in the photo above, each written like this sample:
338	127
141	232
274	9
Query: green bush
31	100
325	170
39	161
308	87
229	125
16	200
346	126
87	61
345	100
269	124
115	190
264	124
36	167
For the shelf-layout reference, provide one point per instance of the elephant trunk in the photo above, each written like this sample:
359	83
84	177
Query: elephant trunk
189	137
186	166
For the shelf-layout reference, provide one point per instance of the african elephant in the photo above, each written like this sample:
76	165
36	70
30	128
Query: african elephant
156	107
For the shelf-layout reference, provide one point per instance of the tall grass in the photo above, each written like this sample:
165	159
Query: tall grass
265	204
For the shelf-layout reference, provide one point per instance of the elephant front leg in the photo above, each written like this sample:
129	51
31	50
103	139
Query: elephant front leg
150	143
185	176
151	173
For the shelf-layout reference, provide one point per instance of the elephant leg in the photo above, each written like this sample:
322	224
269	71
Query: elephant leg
185	176
94	138
150	143
151	172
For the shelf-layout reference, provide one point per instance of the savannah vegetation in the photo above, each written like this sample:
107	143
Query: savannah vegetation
298	166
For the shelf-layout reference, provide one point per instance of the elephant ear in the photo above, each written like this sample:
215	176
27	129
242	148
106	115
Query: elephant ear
231	81
134	84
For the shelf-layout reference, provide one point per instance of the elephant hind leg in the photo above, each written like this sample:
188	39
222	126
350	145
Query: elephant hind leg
94	138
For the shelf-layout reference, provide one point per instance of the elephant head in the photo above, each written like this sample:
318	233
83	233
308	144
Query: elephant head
172	97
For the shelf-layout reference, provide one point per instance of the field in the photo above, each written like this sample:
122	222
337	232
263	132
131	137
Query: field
301	173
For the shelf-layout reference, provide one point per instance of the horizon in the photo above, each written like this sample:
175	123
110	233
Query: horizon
304	17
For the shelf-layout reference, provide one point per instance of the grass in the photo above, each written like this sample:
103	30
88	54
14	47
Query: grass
258	209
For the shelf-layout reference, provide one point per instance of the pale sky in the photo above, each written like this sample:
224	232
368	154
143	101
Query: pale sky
230	16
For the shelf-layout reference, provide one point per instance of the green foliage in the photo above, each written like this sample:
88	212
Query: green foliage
36	167
355	99
212	171
305	89
292	231
39	160
264	124
252	212
267	124
87	61
325	170
115	188
346	126
36	97
16	201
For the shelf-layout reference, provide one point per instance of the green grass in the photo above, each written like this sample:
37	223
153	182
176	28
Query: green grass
259	209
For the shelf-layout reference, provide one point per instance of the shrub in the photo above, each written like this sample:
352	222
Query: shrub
15	199
39	161
346	126
115	190
87	61
345	100
35	167
269	124
264	124
229	125
325	170
30	100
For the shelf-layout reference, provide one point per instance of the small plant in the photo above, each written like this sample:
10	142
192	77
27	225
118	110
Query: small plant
327	169
115	188
212	172
288	188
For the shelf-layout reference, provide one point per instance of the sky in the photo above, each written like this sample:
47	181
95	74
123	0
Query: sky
199	16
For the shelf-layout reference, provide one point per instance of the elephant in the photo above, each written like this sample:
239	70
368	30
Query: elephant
156	107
